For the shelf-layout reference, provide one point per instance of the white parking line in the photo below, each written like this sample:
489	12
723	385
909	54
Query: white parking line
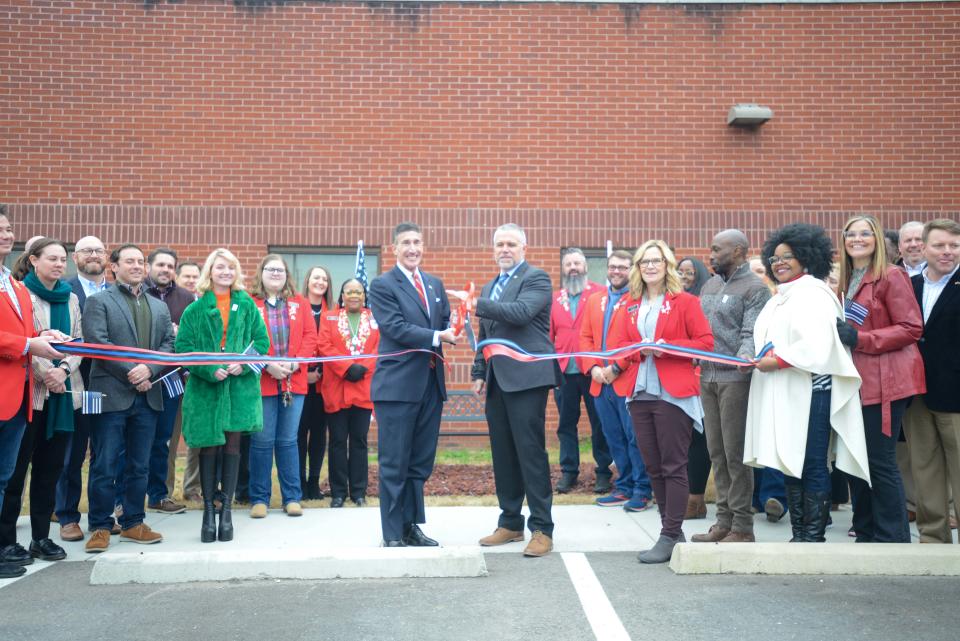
600	613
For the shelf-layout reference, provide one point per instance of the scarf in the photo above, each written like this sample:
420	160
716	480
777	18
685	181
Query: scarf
59	406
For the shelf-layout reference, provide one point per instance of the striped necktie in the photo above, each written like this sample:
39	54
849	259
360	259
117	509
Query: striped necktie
498	287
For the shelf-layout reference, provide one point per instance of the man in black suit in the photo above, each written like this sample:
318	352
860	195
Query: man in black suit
516	306
932	422
90	258
412	311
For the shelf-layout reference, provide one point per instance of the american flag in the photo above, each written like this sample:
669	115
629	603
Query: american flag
854	311
361	268
256	367
92	403
172	384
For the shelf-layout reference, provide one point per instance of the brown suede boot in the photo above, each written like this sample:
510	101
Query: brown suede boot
696	508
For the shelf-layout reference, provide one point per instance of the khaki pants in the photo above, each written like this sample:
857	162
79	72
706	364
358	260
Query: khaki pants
934	444
725	425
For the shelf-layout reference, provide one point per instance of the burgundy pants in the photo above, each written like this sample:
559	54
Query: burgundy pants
663	436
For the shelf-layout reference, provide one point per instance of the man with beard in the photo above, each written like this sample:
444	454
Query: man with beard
632	488
566	318
90	257
160	283
731	301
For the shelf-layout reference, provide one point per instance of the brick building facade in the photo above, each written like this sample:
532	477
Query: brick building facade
259	124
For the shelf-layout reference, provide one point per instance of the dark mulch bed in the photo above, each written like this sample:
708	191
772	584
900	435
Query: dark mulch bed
473	480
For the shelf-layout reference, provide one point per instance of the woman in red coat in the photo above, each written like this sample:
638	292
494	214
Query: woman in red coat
882	328
662	391
282	386
350	330
312	439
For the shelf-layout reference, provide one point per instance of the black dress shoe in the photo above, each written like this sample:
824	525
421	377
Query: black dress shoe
11	570
359	502
393	544
416	538
567	482
15	554
603	484
47	550
336	501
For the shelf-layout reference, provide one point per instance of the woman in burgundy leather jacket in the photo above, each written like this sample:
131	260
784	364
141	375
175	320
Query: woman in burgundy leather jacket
883	325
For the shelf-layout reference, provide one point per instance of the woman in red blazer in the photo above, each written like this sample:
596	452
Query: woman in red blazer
662	391
882	329
283	386
350	330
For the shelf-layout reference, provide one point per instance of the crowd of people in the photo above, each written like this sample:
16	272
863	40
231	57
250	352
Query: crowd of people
856	397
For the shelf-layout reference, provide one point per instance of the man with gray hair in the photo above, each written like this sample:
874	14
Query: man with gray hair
911	247
731	301
566	318
515	306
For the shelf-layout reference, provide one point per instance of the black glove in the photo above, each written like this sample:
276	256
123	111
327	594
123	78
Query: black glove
848	334
355	372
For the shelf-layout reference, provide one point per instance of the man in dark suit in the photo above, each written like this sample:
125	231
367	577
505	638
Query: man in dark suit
412	311
124	315
932	421
516	306
90	258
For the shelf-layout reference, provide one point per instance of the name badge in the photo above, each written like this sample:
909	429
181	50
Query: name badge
234	308
724	299
333	317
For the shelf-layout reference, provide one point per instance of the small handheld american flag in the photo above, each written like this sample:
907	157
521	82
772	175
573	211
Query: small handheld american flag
255	367
172	384
92	403
854	311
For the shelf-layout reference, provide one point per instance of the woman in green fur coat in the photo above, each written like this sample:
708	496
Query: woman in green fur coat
221	403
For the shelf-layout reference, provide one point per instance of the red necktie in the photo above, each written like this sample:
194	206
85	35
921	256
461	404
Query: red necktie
419	286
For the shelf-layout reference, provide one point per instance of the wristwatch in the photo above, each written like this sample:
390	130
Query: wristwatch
65	368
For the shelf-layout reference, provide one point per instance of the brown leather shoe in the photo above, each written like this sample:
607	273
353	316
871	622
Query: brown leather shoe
540	545
714	535
501	536
911	516
71	532
141	534
738	537
99	541
696	508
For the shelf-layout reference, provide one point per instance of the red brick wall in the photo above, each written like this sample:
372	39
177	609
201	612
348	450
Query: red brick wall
197	124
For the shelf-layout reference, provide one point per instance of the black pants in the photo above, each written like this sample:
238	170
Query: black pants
568	395
45	459
312	437
348	452
698	463
520	464
243	472
880	512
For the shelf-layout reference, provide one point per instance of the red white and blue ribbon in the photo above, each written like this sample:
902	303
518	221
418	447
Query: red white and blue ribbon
498	347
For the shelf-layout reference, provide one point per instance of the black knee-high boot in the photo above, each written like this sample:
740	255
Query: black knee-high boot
208	485
816	507
795	506
231	469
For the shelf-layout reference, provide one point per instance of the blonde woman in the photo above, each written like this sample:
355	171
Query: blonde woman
662	391
221	402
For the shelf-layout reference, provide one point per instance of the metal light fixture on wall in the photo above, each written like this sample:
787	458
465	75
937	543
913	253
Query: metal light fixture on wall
748	115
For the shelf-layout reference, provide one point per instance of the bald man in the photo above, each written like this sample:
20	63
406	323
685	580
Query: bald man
731	301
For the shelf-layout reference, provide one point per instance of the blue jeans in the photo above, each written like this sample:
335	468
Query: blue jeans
157	467
11	433
280	427
768	483
131	430
816	475
632	478
70	484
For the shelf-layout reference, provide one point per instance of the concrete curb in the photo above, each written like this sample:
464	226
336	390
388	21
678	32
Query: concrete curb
894	559
114	568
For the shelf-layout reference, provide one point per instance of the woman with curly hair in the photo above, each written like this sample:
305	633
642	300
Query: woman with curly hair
662	391
807	387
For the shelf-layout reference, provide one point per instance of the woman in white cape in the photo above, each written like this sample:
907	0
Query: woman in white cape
804	404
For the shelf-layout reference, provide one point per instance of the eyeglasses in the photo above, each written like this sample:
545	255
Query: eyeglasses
618	268
650	262
92	252
858	234
773	260
275	270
